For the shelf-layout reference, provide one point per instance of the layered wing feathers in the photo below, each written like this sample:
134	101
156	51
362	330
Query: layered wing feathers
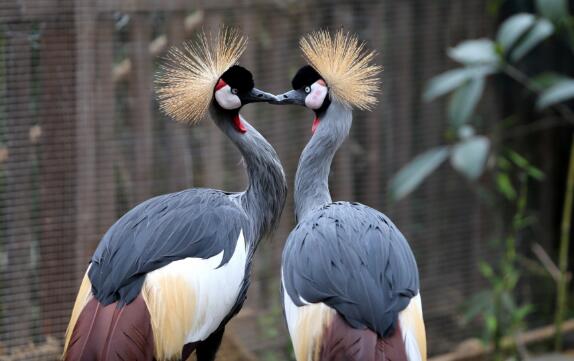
354	259
199	223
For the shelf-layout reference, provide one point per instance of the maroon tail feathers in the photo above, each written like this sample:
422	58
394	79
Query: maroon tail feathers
111	333
341	342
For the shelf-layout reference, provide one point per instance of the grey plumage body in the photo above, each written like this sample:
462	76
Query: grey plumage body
192	223
347	255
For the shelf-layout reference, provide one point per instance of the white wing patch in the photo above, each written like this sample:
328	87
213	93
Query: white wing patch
291	310
188	299
413	330
306	325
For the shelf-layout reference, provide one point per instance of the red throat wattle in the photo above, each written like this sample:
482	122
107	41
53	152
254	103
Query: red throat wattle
220	84
239	124
315	124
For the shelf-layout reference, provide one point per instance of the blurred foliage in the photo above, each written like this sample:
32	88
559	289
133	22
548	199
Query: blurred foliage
497	307
270	322
488	159
481	59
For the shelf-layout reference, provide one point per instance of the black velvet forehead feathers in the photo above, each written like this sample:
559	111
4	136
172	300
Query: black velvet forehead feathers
304	77
239	78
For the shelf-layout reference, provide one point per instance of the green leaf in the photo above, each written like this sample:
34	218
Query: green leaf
452	79
411	175
513	28
525	165
486	270
505	186
535	173
523	311
557	93
518	159
478	304
491	323
548	79
445	83
464	101
469	156
539	32
554	10
471	52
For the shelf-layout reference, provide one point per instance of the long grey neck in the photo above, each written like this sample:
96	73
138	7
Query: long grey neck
264	198
312	178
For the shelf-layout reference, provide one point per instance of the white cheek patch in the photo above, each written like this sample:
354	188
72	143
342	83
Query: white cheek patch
315	99
226	99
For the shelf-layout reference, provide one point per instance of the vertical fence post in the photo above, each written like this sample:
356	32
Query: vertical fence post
399	76
431	47
18	198
105	123
373	191
86	196
57	174
141	117
180	158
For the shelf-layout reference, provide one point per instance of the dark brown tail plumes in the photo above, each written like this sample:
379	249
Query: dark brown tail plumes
111	333
341	342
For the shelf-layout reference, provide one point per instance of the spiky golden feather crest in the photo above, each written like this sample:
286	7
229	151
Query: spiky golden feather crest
345	64
186	81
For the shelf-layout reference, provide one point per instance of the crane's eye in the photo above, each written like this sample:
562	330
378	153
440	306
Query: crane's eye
307	89
233	90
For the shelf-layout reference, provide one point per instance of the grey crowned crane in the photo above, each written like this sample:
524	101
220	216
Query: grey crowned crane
171	272
350	282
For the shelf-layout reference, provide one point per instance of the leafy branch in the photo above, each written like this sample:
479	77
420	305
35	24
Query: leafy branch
481	58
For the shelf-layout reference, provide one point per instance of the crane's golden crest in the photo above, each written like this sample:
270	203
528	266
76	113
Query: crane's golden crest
187	80
346	66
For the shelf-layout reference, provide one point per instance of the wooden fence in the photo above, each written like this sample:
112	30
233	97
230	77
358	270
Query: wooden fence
83	141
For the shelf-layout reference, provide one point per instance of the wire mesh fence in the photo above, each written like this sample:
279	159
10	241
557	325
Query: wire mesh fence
82	141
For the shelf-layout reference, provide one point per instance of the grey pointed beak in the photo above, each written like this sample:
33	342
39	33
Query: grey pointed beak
296	97
255	95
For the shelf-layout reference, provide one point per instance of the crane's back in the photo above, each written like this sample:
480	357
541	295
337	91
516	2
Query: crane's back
349	275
